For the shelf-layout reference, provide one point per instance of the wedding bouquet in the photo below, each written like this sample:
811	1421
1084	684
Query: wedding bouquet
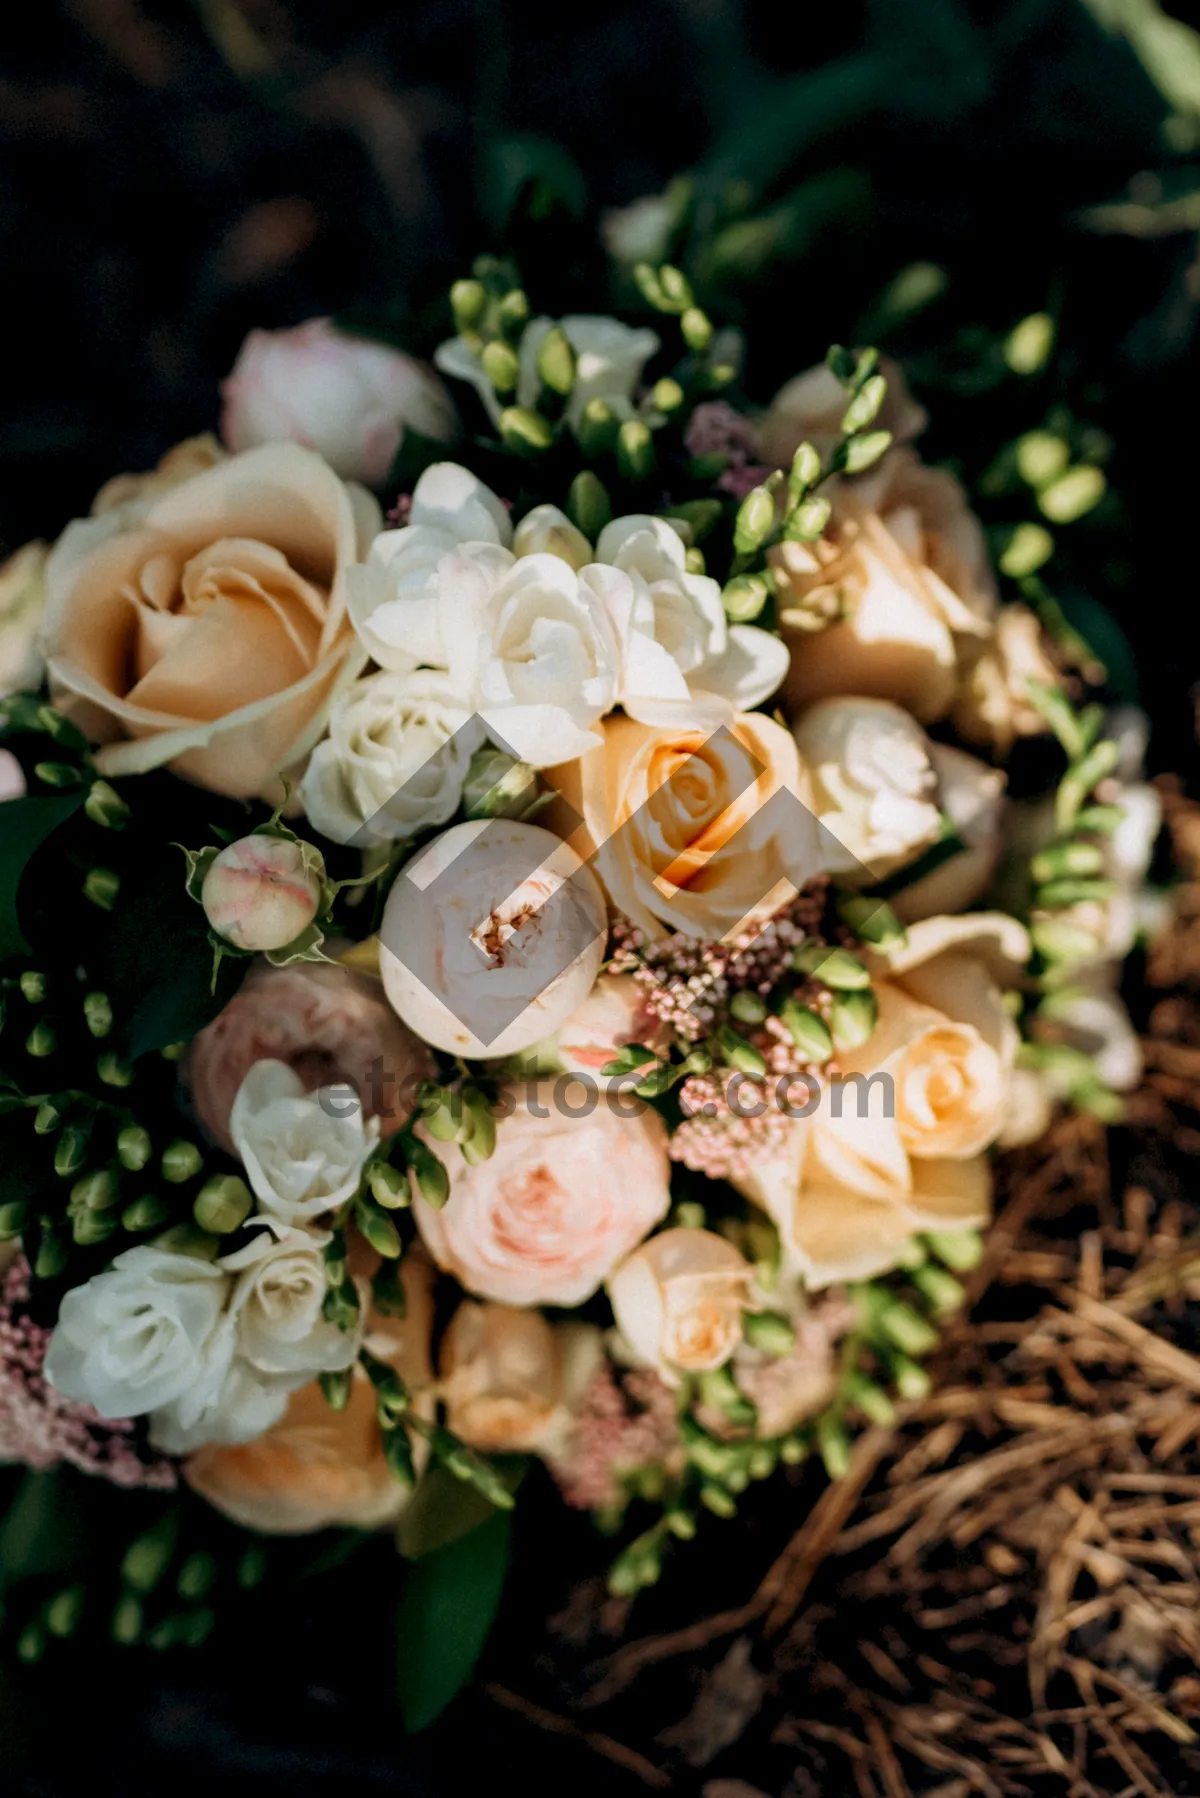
538	974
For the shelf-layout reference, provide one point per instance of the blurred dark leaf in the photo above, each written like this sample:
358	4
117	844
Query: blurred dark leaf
44	1531
446	1610
528	174
27	824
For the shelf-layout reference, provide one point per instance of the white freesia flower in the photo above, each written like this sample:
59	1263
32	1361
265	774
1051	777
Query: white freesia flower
609	356
874	786
303	1152
679	655
394	762
277	1302
148	1333
22	595
230	1402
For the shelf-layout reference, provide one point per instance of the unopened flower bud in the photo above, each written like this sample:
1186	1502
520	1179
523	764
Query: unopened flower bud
755	521
262	892
872	920
739	1054
961	1250
101	887
514	310
768	1332
697	329
588	504
467	302
47	1118
852	1019
807	519
197	1576
809	1032
805	471
556	361
941	1290
497	786
667	395
1072	494
836	967
635	450
433	1182
744	597
89	1228
96	1192
181	1162
64	1612
146	1213
13	1218
547	531
112	1070
525	431
864	407
597	428
747	1008
223	1204
378	1229
863	452
134	1147
42	1041
97	1013
71	1151
52	1255
336	1386
501	366
389	1186
104	806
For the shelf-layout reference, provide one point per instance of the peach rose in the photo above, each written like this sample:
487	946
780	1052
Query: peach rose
678	1302
178	464
717	847
904	570
318	1468
561	1201
329	1025
206	626
510	1380
992	706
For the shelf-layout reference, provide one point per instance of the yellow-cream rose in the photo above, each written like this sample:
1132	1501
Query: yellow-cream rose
903	570
694	832
206	626
318	1468
510	1380
992	706
678	1302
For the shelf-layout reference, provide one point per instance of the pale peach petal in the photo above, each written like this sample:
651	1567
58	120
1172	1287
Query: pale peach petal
951	1195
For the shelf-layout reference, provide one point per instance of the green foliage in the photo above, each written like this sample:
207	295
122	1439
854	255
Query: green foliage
446	1610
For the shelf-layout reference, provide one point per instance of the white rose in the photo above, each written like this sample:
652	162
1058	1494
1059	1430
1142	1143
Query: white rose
277	1300
972	797
609	356
678	1301
22	594
143	1335
349	399
505	948
12	776
679	657
394	762
303	1152
230	1402
874	786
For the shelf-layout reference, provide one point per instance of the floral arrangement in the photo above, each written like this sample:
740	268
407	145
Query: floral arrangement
538	975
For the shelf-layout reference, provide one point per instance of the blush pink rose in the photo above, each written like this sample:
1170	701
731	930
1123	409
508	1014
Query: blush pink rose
546	1219
327	1023
346	398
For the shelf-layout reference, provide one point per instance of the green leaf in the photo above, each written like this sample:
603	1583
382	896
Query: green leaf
527	173
1108	642
444	1508
27	824
446	1610
159	959
43	1531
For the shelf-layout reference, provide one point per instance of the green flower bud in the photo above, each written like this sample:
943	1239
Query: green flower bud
514	311
100	888
398	1453
836	967
906	1328
64	1612
497	786
478	1137
389	1186
852	1019
467	302
755	521
147	1559
223	1204
697	329
197	1576
59	774
62	729
864	407
588	506
1060	941
31	1644
739	1054
378	1229
42	1041
127	1621
694	562
433	1182
870	1398
805	471
863	452
597	428
341	1306
667	395
840	362
251	1569
13	1218
47	1118
71	1150
636	457
387	1290
112	1070
910	1380
1073	494
744	597
524	431
871	920
941	1290
97	1013
1027	549
1056	895
809	1032
1028	345
392	1398
807	520
793	1450
961	1250
187	1238
52	1255
689	1214
1041	455
1066	859
718	1501
501	366
105	807
833	1445
747	1008
89	1228
96	1192
336	1386
146	1213
33	986
768	1332
181	1161
556	361
134	1148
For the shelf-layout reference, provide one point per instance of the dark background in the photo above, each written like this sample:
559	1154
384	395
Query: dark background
172	175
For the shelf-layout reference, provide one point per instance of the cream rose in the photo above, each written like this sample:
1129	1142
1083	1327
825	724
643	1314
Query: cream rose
206	626
873	784
694	832
303	1152
22	595
904	571
561	1201
395	760
491	937
277	1301
345	397
510	1380
992	706
971	797
318	1468
949	1085
678	1302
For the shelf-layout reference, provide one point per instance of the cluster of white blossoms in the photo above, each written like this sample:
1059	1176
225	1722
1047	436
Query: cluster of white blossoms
211	1350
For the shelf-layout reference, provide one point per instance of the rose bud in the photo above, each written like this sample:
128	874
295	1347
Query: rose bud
262	892
492	936
348	399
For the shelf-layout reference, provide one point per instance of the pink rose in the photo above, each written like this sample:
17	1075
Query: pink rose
326	1023
546	1219
345	397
